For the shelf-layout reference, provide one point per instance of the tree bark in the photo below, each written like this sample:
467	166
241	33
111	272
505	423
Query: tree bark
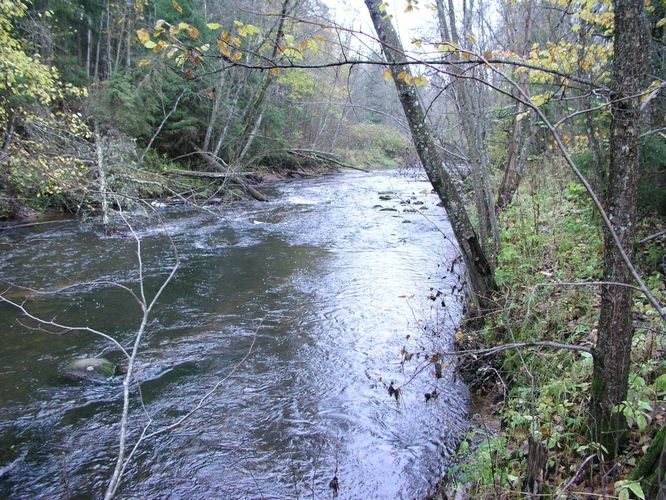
613	349
479	272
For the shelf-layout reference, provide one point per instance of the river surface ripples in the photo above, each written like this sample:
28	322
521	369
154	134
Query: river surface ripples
329	282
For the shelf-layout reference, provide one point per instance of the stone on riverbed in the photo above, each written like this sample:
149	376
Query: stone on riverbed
90	369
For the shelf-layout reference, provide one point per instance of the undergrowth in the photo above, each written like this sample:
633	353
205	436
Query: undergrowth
550	236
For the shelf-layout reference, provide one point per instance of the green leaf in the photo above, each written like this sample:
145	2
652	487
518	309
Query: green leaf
642	423
636	489
214	26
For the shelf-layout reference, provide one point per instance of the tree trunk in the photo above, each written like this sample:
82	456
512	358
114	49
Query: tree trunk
598	162
613	349
472	120
520	138
254	114
109	68
88	48
479	271
102	178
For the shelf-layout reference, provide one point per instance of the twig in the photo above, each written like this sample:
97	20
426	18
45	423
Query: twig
652	237
146	308
572	481
32	224
66	328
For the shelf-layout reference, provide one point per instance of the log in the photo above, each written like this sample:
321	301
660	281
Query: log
206	175
325	157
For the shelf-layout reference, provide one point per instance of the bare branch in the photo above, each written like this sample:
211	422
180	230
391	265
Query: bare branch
65	328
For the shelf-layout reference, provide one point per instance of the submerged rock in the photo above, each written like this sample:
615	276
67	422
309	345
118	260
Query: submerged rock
90	369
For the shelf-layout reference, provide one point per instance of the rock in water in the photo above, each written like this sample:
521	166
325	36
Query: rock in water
90	369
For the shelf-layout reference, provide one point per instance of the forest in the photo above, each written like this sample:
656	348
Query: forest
508	156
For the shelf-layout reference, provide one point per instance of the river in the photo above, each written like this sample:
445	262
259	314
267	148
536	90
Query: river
332	282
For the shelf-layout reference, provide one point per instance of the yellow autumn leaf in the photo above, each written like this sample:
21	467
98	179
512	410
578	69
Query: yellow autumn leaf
275	71
237	56
143	36
522	115
149	44
387	75
540	99
406	77
159	46
223	48
312	45
661	22
214	26
417	43
420	81
447	47
177	7
192	32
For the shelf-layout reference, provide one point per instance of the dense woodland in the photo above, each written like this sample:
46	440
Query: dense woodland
540	124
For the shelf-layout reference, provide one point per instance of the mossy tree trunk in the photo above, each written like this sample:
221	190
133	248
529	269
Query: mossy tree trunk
479	271
613	349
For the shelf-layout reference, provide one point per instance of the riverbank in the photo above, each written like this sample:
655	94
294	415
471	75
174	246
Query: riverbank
165	182
530	407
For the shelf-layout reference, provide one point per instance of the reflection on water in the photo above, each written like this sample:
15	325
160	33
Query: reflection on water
331	280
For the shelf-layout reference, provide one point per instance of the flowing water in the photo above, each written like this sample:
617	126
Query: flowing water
327	283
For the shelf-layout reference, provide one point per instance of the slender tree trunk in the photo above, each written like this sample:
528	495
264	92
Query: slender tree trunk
480	274
613	349
108	39
230	118
472	122
98	48
102	177
520	138
254	113
88	49
130	32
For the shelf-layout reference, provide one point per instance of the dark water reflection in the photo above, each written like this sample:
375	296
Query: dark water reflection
328	285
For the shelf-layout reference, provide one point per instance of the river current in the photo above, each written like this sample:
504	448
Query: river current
344	286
